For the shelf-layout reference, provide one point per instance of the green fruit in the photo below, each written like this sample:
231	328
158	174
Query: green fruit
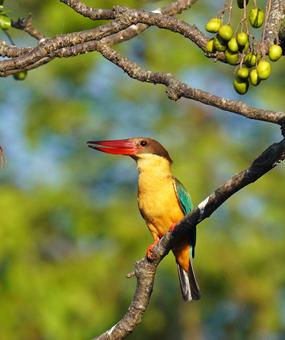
254	78
242	39
219	44
210	46
275	52
241	86
263	69
251	59
256	17
240	3
231	58
213	25
226	32
5	22
233	45
20	75
243	73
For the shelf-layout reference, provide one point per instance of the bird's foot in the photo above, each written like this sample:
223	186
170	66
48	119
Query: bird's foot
149	253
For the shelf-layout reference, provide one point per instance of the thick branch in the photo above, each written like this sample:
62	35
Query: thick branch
276	17
12	51
177	89
47	48
190	32
173	8
89	12
145	271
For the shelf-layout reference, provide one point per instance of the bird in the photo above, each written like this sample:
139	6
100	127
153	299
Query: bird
162	200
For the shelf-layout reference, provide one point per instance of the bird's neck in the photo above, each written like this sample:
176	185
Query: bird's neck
153	167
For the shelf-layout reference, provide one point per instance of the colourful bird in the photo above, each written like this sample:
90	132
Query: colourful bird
162	200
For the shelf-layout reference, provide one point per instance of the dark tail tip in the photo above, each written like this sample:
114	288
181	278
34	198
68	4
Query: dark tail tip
188	284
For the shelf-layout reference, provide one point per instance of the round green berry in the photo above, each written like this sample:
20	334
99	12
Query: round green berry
233	45
231	58
275	52
5	22
254	78
226	32
242	72
263	69
213	25
210	46
256	17
219	44
20	75
250	59
241	86
242	39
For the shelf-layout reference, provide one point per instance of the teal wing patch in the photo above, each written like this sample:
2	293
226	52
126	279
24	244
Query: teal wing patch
186	206
184	198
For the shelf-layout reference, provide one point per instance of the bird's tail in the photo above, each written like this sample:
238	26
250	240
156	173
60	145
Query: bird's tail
188	283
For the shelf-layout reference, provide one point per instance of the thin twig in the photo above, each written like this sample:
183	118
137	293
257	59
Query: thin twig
26	25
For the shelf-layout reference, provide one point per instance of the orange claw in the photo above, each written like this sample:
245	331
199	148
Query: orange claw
149	249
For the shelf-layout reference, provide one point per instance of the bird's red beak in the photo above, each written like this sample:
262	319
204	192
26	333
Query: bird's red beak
116	147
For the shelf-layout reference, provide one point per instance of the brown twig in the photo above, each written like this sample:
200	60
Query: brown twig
26	25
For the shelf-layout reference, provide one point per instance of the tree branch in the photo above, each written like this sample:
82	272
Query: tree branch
145	270
26	25
89	12
176	89
273	25
173	8
47	48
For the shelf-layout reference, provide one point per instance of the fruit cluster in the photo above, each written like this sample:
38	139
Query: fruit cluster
240	48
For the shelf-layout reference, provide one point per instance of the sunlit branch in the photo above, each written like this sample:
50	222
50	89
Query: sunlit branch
273	25
89	12
175	7
177	89
125	25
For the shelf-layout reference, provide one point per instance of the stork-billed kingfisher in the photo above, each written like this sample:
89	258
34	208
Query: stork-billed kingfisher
162	200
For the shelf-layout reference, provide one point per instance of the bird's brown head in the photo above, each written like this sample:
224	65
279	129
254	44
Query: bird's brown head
133	147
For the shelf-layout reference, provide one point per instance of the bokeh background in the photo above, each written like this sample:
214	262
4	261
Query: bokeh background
70	229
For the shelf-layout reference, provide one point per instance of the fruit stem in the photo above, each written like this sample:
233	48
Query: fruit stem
229	7
244	19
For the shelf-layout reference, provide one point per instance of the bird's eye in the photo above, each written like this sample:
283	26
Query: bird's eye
143	143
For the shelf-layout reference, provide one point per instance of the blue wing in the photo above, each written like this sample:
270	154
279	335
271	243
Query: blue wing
186	206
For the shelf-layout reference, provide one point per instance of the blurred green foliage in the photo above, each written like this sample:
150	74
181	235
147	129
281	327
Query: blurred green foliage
69	226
